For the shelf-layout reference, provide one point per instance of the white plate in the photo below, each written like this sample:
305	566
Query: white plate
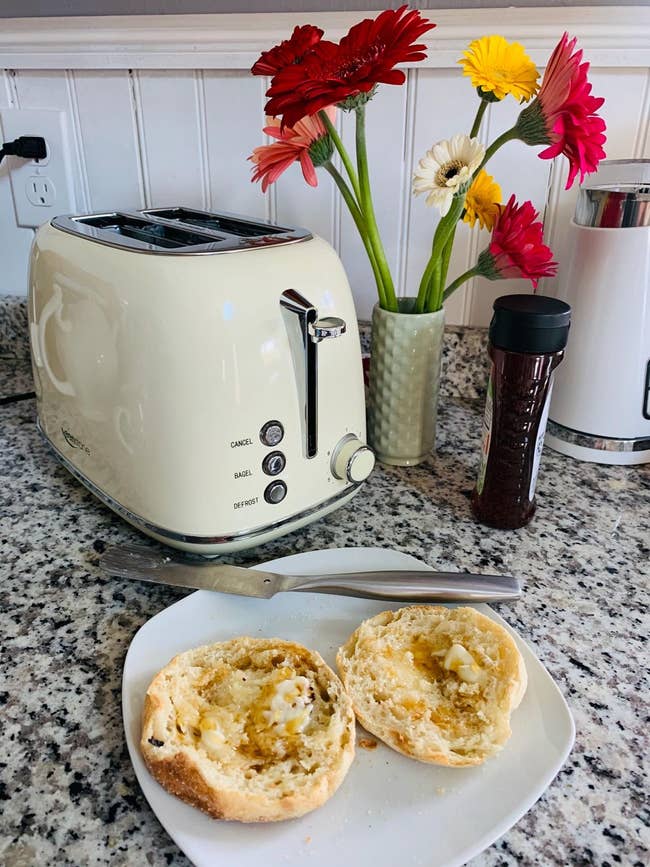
390	809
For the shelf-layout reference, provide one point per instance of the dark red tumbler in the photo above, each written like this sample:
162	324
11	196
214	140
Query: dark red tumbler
528	334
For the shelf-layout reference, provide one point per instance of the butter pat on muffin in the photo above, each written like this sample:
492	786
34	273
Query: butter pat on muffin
437	684
251	729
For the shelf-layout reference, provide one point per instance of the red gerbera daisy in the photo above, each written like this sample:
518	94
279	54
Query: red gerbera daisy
289	51
563	114
516	248
365	57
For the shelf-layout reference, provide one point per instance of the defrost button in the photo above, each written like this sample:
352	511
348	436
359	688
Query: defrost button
272	433
275	492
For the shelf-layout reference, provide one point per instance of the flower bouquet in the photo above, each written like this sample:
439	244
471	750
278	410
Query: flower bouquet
312	77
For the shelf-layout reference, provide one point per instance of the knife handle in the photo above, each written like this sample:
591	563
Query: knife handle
413	586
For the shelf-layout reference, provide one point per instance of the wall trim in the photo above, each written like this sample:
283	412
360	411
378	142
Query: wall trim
615	36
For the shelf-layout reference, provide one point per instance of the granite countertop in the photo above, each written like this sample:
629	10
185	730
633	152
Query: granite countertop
69	795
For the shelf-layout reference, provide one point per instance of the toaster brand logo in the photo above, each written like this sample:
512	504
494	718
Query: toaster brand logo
73	441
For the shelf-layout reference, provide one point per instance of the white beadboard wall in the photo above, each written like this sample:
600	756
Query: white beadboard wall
162	110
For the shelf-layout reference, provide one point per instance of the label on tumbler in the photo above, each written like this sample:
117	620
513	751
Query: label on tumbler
539	444
487	434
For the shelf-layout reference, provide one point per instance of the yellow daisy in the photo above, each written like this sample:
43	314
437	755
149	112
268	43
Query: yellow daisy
482	202
500	67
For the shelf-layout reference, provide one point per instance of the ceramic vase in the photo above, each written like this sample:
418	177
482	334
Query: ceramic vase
404	383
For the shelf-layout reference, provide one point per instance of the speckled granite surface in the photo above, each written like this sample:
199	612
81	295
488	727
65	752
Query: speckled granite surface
14	336
15	377
69	796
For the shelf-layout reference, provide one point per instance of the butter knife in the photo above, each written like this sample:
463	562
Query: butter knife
402	585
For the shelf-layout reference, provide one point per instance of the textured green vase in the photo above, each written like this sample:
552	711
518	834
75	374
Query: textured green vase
404	382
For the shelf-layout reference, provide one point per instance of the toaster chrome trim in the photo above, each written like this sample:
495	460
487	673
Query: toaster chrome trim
199	229
163	532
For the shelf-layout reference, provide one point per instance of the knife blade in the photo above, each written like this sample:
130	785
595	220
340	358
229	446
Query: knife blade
392	585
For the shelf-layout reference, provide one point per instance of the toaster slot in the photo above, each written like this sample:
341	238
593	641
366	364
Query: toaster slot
179	231
155	234
217	222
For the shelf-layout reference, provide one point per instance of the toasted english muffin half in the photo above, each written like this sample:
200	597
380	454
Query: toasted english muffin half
251	729
437	684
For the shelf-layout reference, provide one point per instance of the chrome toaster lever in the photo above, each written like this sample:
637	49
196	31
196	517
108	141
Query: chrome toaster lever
329	326
306	331
300	317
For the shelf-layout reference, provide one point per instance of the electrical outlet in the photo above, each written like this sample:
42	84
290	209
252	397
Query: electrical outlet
41	192
41	189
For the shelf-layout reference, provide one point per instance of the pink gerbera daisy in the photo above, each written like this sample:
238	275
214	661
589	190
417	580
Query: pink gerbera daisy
517	248
563	115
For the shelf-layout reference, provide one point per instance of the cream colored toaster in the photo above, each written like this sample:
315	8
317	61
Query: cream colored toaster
199	372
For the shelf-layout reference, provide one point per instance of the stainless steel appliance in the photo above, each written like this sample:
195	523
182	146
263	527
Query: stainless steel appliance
600	409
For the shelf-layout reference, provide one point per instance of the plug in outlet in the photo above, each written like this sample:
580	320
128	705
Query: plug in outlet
41	189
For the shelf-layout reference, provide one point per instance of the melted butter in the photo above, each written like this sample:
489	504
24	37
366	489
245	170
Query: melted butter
290	706
251	710
462	662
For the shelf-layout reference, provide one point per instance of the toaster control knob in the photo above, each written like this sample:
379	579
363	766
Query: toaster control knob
352	460
275	492
271	433
329	326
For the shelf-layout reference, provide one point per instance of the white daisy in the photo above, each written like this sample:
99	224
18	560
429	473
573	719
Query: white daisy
447	169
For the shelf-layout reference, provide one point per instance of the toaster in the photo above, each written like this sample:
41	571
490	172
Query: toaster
199	372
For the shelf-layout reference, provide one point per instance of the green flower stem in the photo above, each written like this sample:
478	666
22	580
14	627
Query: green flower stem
345	156
479	117
472	272
360	223
445	228
446	255
505	137
368	211
434	290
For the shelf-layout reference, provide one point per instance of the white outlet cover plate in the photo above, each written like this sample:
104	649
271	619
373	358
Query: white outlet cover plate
55	170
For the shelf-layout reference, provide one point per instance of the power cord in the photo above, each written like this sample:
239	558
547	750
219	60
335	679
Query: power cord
28	147
13	398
